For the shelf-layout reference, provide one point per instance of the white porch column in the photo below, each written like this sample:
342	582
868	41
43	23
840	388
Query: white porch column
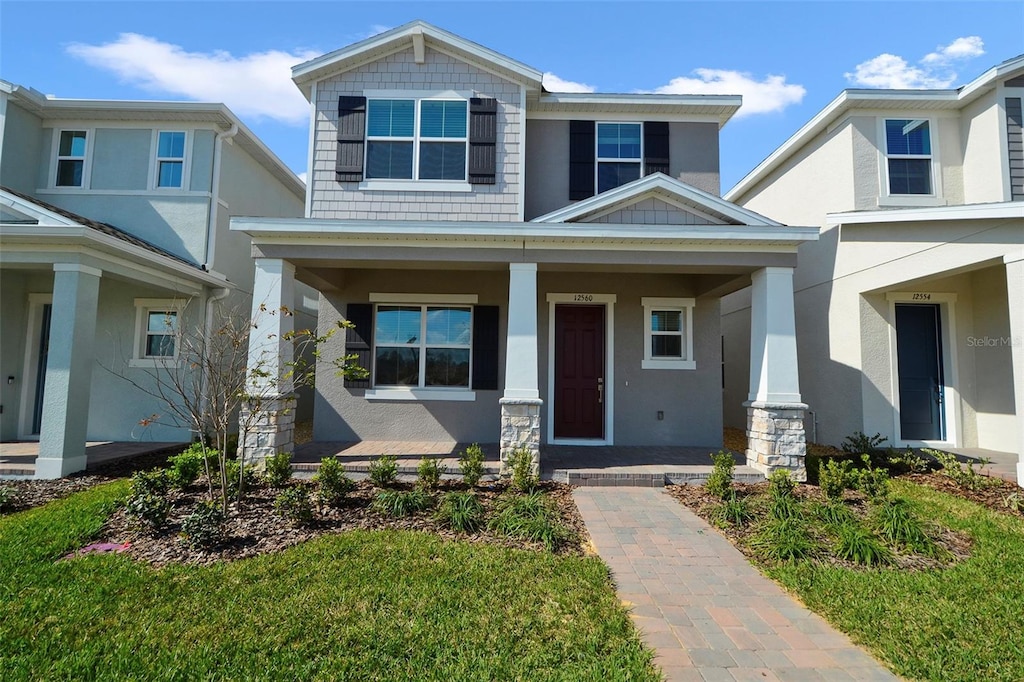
270	355
520	403
1015	290
69	362
775	427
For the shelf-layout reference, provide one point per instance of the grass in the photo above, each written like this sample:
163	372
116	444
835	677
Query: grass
962	622
359	606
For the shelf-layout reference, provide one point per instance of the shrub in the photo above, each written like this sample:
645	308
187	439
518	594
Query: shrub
187	465
834	477
334	484
401	502
520	462
239	484
858	545
461	512
472	465
293	504
735	510
903	461
783	540
204	526
278	470
7	496
384	471
834	513
719	481
780	485
898	526
872	481
148	509
1014	502
529	517
152	482
862	444
963	476
428	473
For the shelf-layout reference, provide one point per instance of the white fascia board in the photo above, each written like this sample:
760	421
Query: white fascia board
569	98
43	215
317	68
35	234
485	232
1005	209
656	181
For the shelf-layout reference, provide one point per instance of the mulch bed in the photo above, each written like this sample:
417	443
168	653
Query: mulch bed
993	494
702	503
255	528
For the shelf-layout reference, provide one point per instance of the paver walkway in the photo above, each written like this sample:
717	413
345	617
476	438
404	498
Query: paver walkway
706	611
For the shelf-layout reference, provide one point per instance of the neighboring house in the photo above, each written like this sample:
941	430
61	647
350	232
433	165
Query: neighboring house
523	266
910	307
113	235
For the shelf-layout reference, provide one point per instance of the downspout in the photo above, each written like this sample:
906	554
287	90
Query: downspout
211	233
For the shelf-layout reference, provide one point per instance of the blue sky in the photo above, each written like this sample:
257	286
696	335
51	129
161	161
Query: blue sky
788	59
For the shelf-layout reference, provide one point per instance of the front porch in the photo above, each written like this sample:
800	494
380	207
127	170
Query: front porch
18	459
607	465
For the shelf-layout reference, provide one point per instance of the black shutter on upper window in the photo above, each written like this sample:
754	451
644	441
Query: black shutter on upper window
483	139
359	341
656	147
581	159
351	138
485	348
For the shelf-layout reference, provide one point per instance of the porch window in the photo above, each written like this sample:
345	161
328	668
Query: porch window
422	346
668	333
157	331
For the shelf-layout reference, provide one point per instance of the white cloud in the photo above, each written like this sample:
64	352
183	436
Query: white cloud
772	93
302	176
934	70
555	84
257	84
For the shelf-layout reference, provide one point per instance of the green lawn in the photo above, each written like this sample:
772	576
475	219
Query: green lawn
360	606
964	622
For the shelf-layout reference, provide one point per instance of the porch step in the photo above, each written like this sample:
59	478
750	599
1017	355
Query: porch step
689	475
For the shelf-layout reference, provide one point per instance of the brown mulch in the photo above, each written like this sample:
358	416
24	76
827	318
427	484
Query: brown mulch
958	545
32	493
992	494
256	529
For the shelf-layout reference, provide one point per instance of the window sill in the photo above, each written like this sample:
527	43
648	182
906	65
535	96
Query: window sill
416	185
420	394
150	363
668	364
902	200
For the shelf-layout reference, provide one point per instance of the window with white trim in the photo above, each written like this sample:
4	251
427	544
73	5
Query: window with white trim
170	158
416	139
619	154
668	333
157	331
422	346
72	146
908	150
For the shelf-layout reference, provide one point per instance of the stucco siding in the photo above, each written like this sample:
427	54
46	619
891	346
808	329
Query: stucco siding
982	154
694	155
121	158
547	166
201	166
14	287
989	344
21	149
439	72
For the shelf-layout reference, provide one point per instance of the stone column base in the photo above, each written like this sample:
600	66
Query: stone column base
271	432
520	428
775	438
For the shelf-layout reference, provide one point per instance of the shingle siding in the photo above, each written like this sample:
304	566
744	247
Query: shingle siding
652	212
335	200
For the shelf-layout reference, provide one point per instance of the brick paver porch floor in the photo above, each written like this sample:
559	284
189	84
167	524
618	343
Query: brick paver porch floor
18	458
699	603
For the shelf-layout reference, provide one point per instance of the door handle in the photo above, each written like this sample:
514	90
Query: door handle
600	390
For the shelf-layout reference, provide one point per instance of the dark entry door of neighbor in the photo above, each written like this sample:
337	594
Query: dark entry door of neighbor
919	358
579	371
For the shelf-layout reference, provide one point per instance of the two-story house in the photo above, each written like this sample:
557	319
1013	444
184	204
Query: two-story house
524	266
113	239
910	306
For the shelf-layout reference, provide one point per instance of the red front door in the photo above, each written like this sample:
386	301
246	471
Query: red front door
579	371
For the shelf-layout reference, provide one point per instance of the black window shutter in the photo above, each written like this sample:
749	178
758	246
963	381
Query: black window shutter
656	147
359	340
351	138
485	348
483	139
581	159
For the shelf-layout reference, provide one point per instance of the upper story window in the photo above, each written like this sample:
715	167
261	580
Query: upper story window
410	139
72	146
908	150
619	154
170	159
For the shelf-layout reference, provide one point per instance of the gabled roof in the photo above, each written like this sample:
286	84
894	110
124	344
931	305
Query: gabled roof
54	215
51	108
658	185
877	99
416	33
